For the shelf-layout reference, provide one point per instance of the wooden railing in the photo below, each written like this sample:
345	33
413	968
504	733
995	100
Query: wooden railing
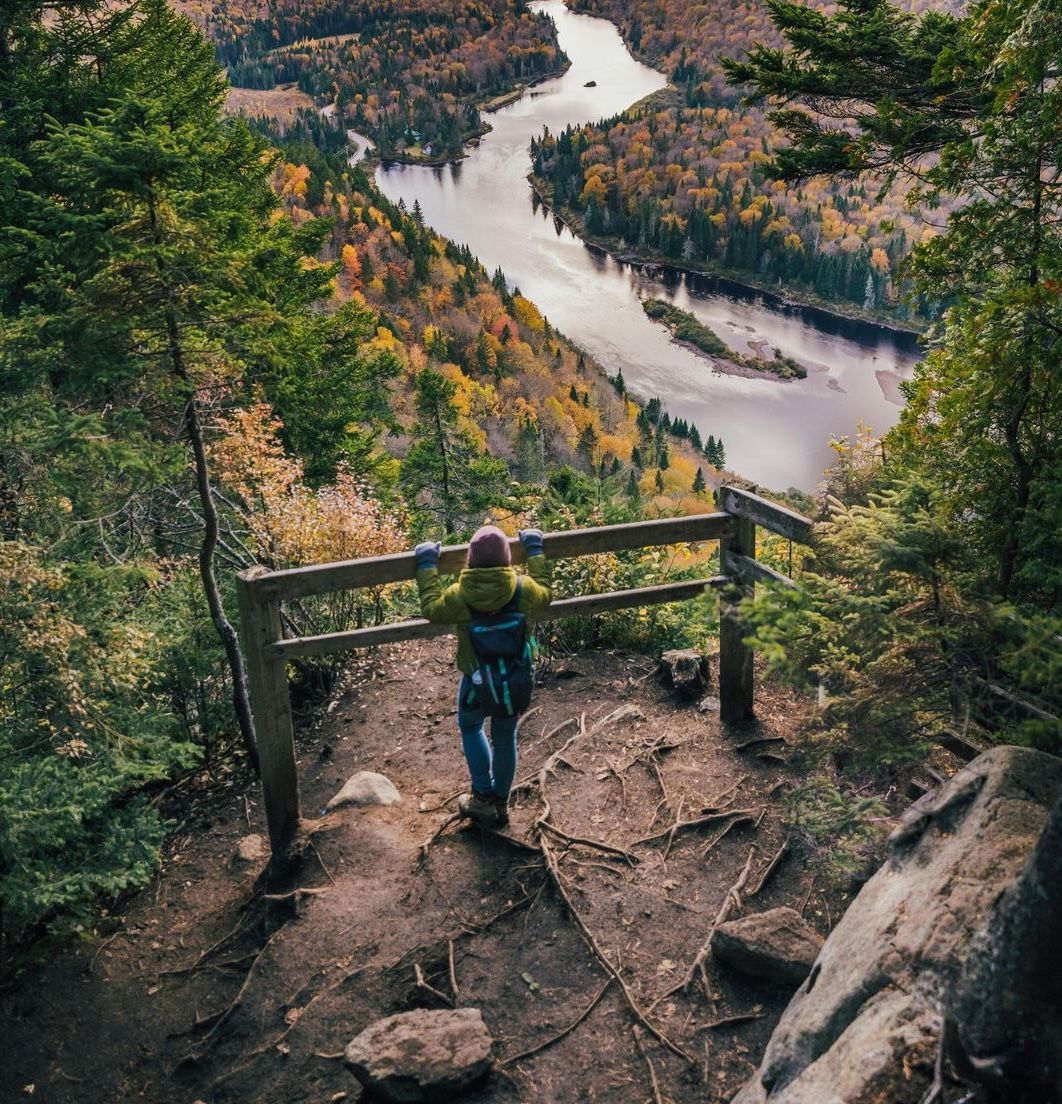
267	649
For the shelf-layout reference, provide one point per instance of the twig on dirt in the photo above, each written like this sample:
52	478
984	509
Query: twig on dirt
736	822
425	846
247	810
727	797
583	841
674	829
273	1043
215	946
614	769
321	862
811	889
442	804
106	943
453	969
603	866
729	1021
530	781
698	822
423	983
697	967
563	1033
760	740
480	926
238	999
649	1062
333	1057
771	867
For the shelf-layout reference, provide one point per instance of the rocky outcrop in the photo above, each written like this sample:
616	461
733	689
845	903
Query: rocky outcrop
366	788
686	672
421	1055
776	945
864	1028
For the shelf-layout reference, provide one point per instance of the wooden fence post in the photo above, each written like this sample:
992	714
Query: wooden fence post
735	657
271	703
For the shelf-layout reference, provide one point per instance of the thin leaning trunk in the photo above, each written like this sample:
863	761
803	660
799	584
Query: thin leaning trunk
230	641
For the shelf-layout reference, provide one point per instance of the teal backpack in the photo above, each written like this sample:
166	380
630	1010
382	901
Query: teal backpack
505	650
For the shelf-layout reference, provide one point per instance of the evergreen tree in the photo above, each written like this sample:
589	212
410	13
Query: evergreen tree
699	485
658	482
445	472
633	491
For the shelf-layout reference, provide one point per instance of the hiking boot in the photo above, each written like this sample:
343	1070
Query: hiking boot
501	805
480	808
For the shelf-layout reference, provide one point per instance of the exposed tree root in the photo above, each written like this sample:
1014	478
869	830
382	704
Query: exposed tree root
423	983
735	823
698	822
697	967
771	867
563	1033
744	746
657	1098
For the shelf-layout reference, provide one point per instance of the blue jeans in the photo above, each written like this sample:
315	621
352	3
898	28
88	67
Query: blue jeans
492	763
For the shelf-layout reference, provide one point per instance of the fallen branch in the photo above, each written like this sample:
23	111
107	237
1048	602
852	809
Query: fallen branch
698	822
453	970
425	846
423	983
771	867
729	1021
563	1033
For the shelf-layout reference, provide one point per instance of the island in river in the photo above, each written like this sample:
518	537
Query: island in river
687	329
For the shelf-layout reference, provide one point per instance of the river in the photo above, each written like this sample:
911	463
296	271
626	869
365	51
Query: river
775	433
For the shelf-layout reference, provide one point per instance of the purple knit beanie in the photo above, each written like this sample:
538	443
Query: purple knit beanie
489	547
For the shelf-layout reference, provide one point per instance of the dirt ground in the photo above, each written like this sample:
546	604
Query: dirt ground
206	991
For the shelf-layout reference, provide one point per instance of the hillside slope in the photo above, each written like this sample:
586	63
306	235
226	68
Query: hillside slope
278	988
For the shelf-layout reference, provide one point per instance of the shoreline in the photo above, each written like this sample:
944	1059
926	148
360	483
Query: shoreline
790	297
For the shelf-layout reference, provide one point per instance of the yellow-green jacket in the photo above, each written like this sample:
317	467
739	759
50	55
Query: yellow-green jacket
484	589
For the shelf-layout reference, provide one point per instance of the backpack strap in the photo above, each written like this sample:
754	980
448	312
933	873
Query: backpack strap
513	605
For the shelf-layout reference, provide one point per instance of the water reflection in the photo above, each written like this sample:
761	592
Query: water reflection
775	433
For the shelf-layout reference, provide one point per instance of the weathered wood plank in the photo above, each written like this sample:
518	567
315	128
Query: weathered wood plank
419	629
961	746
752	571
378	570
735	657
770	515
271	704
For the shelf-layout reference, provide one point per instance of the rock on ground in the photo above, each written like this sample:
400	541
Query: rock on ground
776	945
865	1026
251	849
686	672
366	788
421	1055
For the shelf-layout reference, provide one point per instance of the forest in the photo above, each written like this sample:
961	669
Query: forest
684	175
408	73
219	349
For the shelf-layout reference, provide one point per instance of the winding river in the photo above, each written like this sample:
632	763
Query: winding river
775	433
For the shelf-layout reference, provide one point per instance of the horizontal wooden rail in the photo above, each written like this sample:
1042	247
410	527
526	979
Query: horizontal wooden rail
299	582
748	570
745	504
418	629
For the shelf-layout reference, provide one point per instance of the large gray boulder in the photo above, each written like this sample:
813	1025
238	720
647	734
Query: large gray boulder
366	788
421	1055
865	1026
776	945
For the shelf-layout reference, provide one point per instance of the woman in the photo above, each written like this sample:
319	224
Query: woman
493	683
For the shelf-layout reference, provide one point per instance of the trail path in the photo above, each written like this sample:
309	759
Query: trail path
194	996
